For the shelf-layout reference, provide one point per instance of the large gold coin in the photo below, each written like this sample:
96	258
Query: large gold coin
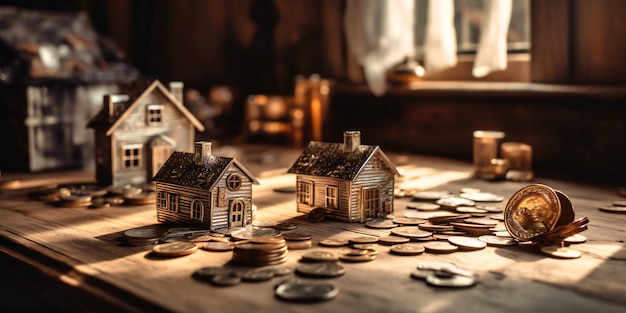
532	211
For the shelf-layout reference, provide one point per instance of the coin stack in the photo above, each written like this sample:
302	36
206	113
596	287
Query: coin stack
297	240
261	252
540	214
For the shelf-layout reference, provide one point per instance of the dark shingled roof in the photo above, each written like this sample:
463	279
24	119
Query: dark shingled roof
181	169
328	160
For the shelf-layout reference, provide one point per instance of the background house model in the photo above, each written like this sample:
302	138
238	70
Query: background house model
204	190
135	133
352	182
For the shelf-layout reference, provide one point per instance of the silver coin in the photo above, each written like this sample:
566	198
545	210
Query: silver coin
253	231
257	275
206	273
497	241
470	209
482	197
306	292
226	279
325	269
450	281
423	206
286	226
281	271
454	202
574	239
490	208
319	256
407	249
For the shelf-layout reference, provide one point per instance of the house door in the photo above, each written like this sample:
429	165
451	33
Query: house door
371	203
236	216
160	151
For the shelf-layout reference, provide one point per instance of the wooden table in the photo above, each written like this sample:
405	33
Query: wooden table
76	259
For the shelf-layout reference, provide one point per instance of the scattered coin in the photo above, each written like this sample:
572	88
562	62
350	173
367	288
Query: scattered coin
281	271
299	245
619	203
316	215
574	239
452	203
444	279
319	256
497	217
297	236
323	269
423	206
560	252
426	215
392	240
124	191
471	210
482	197
226	279
306	292
286	226
497	241
175	248
268	240
99	204
114	200
467	243
146	235
357	258
257	275
334	242
481	221
190	236
408	221
218	246
253	231
490	208
440	247
410	232
470	190
357	252
420	274
91	190
364	246
532	211
264	223
406	249
363	239
431	196
380	223
451	217
613	209
206	273
435	227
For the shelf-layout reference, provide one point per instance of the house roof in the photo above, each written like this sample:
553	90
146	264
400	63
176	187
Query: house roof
136	94
181	169
329	160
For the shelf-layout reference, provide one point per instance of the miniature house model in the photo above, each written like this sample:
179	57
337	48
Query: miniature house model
350	181
137	132
204	190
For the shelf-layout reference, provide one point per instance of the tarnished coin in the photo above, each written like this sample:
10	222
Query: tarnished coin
144	235
257	275
175	248
410	232
319	256
443	279
226	279
574	239
613	209
497	241
363	239
431	196
253	231
299	245
206	273
323	269
191	236
423	206
452	203
333	242
482	197
406	249
408	221
532	211
91	190
306	292
560	252
380	223
440	247
316	215
297	236
357	258
467	243
286	226
218	246
392	240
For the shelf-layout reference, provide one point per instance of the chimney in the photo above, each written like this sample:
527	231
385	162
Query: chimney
109	105
176	88
351	140
203	152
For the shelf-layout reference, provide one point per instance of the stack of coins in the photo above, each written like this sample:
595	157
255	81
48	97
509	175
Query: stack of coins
297	240
260	252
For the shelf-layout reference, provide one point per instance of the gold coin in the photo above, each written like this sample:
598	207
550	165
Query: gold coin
481	221
467	243
269	240
440	247
410	232
297	236
406	249
364	246
175	248
532	211
435	228
334	242
357	252
451	217
560	252
298	245
218	246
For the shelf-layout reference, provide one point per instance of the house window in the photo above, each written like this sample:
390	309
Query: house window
131	156
154	114
233	182
304	193
331	197
162	200
172	202
197	209
370	199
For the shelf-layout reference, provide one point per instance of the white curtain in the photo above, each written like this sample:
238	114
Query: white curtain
380	34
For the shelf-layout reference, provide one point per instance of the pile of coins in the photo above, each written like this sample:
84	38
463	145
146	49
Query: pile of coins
260	251
297	240
93	196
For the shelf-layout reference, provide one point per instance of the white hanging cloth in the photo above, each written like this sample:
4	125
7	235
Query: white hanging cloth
380	35
491	54
440	37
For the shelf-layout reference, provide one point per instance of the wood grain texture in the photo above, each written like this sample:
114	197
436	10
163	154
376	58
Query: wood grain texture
80	254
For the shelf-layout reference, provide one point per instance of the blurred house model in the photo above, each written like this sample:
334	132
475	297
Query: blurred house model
204	190
350	181
54	69
136	132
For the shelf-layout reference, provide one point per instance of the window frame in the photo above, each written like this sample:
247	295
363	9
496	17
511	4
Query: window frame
234	182
304	196
192	210
132	157
154	119
331	198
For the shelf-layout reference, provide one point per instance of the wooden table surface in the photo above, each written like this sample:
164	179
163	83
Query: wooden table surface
76	259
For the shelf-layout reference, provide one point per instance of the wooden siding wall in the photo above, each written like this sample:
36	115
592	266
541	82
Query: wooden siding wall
185	197
244	193
372	177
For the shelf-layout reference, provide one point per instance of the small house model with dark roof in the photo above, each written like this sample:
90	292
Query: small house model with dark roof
136	132
204	190
350	181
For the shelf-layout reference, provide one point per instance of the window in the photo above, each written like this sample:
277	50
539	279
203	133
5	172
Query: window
331	197
197	210
304	192
154	114
167	201
162	200
233	182
370	199
172	202
131	156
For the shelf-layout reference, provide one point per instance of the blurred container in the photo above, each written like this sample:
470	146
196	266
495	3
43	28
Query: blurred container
486	144
520	157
